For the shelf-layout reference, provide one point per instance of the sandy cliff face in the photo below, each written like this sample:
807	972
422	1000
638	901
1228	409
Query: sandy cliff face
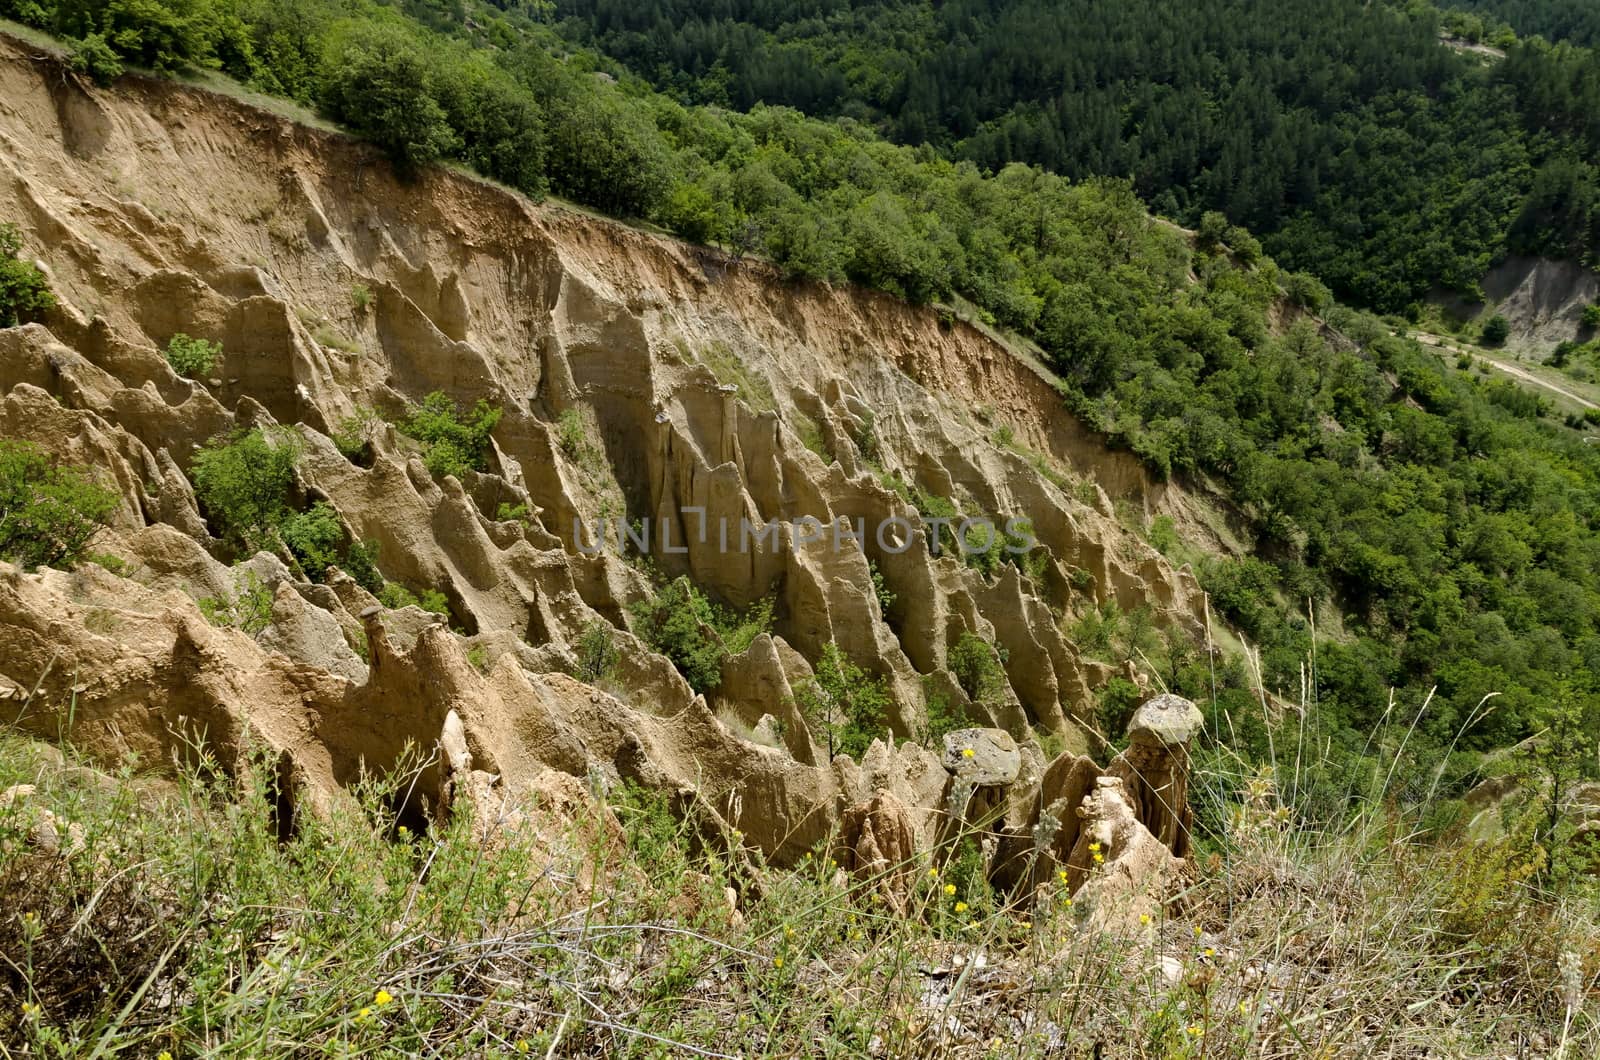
702	384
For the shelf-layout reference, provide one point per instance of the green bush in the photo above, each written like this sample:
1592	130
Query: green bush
243	483
1591	315
501	125
1163	534
94	57
880	589
977	669
454	443
248	608
396	596
380	82
942	716
680	623
846	701
1496	330
1115	704
24	295
361	563
192	358
48	512
597	652
353	435
571	435
1307	291
314	538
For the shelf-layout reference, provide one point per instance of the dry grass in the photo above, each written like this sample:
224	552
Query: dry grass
185	925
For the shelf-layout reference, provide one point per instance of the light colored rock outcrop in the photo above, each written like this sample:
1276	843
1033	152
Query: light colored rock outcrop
877	845
1154	768
703	388
1118	871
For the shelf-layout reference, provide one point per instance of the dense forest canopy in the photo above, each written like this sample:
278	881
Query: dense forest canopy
1343	133
1576	21
1450	519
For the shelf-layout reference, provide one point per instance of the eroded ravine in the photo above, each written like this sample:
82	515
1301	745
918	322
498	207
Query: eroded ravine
701	386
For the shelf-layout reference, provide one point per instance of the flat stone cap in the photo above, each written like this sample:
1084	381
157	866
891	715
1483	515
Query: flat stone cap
1166	721
985	757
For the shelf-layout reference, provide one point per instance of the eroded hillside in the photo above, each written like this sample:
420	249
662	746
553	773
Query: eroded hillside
640	380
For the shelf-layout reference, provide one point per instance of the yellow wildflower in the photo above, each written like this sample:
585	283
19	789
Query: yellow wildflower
788	932
29	1010
163	1055
522	1046
1210	952
1061	874
961	907
1066	900
933	873
1197	1030
1197	931
1144	918
1099	857
949	888
967	752
1094	848
777	962
382	997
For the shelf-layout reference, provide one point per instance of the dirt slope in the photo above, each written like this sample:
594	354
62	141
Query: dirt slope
158	209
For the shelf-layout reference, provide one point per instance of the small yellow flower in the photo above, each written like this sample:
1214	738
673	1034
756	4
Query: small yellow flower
1094	848
1197	931
1244	1008
1144	918
1061	874
777	962
1027	925
1099	857
364	1015
522	1046
1066	900
788	932
933	874
1210	952
949	888
382	997
1197	1030
855	936
29	1010
961	907
163	1055
403	831
967	752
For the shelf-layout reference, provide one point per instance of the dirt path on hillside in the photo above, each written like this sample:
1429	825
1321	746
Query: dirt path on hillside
1507	367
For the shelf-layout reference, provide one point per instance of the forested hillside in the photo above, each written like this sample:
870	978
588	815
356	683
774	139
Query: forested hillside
1449	517
1576	21
1342	133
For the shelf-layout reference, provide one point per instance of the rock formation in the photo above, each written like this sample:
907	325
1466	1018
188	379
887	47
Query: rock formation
1117	870
1154	768
708	396
878	846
